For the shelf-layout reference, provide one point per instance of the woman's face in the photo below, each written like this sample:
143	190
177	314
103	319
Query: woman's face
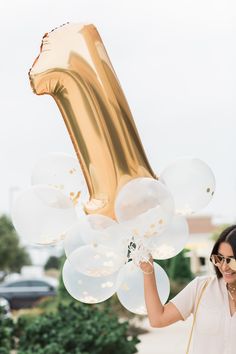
228	274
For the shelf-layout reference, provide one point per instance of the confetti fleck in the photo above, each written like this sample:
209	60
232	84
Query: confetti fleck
107	284
76	198
125	287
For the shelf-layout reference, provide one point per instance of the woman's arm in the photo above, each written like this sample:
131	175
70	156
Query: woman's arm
159	315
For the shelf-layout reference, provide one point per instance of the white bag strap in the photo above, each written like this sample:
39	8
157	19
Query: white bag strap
195	313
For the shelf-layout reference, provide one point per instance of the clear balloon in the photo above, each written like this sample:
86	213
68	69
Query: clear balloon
172	240
131	289
62	172
100	222
73	239
96	261
149	224
86	288
191	182
99	229
42	215
145	205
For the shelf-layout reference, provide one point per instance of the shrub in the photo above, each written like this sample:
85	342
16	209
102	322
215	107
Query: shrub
178	270
76	329
6	334
53	262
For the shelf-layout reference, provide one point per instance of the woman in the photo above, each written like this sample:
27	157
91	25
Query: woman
215	327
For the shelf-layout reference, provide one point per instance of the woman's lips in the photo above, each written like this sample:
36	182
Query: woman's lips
226	274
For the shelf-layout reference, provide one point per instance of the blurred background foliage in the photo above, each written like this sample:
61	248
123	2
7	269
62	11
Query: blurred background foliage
218	231
178	270
73	328
12	256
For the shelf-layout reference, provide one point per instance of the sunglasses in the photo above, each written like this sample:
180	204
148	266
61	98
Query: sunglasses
218	260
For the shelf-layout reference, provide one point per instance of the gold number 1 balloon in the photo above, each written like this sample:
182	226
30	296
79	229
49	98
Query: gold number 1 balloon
74	68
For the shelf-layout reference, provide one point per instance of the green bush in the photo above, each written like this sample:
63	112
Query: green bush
6	334
178	270
76	329
53	262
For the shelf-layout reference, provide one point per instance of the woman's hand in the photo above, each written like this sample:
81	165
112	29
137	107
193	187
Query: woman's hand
147	267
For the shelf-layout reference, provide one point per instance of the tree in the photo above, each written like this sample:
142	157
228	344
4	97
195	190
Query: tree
178	267
218	231
178	270
12	255
53	262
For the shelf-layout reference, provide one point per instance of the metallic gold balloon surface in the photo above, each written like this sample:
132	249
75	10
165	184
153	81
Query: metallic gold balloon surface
74	68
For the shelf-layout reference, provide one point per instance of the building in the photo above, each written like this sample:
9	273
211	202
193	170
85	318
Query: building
201	229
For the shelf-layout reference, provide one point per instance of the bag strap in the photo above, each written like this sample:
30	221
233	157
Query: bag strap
195	313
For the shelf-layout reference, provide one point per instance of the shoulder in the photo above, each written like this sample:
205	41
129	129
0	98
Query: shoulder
206	284
185	300
194	287
199	282
210	279
203	279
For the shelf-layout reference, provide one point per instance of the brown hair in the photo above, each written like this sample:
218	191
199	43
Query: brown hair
229	236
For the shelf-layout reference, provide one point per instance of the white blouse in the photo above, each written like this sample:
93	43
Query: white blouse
215	329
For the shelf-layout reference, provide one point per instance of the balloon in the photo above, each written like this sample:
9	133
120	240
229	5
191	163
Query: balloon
73	239
149	224
191	182
43	214
99	229
85	288
100	222
60	171
93	230
96	261
145	205
140	195
74	68
171	241
130	289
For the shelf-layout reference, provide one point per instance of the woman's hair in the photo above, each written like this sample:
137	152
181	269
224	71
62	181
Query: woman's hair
229	236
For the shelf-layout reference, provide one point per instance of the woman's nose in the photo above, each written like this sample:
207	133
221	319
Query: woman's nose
224	265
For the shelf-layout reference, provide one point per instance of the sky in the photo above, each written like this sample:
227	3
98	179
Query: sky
176	64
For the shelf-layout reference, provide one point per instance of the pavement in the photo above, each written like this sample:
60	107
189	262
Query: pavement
169	340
